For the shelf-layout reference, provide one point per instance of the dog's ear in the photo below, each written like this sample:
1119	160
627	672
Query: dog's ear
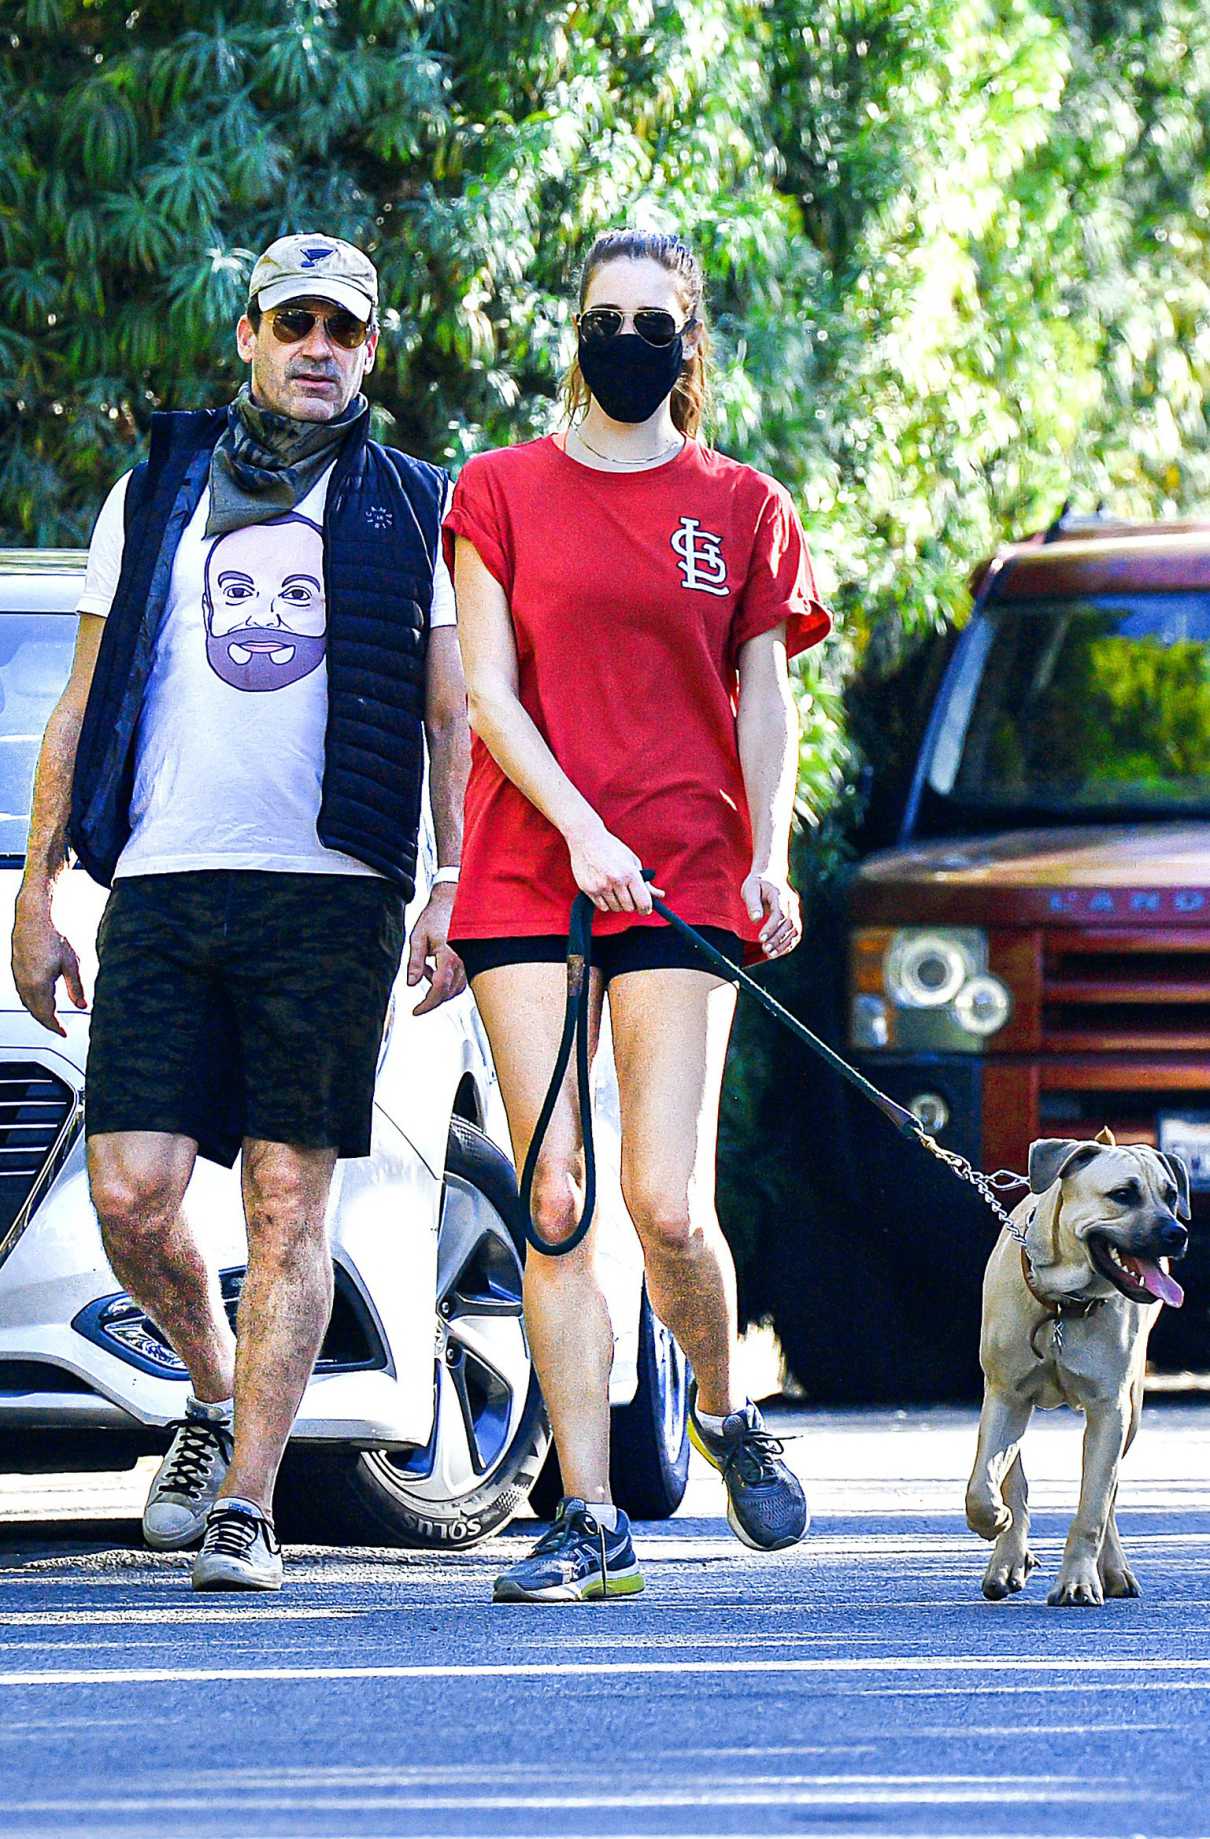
1052	1157
1180	1174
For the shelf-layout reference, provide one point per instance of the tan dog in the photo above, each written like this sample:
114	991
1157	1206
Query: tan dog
1066	1321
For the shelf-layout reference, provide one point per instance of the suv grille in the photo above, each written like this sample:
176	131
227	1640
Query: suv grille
37	1110
1116	991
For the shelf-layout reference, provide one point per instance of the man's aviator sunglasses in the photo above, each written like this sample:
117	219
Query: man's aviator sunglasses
290	324
653	325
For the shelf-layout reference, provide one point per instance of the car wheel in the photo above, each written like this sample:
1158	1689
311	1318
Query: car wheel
490	1434
648	1438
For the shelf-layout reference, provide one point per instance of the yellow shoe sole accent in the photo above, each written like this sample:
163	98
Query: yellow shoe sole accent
700	1447
506	1592
618	1586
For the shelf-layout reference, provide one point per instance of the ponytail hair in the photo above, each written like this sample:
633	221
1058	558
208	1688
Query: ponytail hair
691	394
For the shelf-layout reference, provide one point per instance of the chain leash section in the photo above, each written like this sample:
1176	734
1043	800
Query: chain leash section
984	1185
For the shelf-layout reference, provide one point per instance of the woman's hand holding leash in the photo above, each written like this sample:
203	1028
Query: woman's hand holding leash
610	874
768	896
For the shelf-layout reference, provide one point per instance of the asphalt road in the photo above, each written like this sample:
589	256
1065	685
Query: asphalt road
858	1686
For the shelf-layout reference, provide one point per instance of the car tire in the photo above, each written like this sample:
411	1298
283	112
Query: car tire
457	1492
648	1438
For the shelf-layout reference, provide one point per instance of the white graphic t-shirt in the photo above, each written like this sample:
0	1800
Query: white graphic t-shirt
230	749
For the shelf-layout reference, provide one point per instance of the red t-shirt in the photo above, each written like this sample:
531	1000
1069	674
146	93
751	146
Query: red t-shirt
630	596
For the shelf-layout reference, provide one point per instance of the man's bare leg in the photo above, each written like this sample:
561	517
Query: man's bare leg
284	1308
138	1179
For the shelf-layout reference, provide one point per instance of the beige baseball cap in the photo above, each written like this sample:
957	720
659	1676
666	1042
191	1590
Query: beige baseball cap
318	267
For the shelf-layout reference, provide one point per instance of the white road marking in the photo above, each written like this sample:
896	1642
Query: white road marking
857	1793
863	1831
539	1669
570	1832
512	1777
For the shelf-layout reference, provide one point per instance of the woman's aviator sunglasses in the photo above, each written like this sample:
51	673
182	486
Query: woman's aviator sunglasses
653	325
343	328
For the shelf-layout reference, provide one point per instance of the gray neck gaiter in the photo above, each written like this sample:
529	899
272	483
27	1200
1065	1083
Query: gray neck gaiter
264	464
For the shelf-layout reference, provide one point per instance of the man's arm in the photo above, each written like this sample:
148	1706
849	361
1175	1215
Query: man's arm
449	738
41	955
449	742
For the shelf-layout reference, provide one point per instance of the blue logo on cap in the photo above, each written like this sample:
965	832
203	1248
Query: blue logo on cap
318	252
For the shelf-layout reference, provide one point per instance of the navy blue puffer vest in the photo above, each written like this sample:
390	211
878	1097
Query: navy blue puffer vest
381	531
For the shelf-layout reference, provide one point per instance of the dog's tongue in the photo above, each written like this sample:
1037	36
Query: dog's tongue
1154	1278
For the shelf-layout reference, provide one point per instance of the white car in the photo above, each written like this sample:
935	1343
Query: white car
423	1423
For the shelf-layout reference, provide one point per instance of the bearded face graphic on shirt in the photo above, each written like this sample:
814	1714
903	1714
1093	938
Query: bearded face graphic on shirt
266	618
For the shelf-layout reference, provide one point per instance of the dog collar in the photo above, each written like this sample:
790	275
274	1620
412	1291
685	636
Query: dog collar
1057	1307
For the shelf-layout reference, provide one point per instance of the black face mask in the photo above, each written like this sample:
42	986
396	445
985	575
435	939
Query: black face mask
629	377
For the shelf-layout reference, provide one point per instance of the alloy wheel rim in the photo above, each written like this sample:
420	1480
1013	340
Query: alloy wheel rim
483	1367
672	1378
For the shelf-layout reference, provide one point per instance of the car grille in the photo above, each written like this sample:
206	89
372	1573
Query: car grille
1105	993
39	1117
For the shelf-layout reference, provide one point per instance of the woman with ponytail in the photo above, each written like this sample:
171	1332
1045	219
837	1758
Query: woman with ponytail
627	601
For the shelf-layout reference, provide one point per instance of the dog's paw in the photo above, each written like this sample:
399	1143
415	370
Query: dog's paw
1121	1583
1082	1590
1001	1580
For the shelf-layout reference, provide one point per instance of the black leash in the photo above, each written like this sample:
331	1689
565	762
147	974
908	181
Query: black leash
575	1033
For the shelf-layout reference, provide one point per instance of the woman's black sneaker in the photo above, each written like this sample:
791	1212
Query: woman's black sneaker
577	1560
766	1505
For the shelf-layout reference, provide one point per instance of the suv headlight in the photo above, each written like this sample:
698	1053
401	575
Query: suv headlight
925	988
926	970
983	1004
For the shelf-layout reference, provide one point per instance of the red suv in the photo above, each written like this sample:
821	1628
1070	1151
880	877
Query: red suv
1033	957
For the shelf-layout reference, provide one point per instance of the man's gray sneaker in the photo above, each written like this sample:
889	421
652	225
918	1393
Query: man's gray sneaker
577	1560
188	1479
766	1505
240	1550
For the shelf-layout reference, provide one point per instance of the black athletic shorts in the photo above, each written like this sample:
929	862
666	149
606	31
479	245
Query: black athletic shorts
636	948
238	1003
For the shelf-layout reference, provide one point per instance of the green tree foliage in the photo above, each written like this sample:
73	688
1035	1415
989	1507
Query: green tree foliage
958	248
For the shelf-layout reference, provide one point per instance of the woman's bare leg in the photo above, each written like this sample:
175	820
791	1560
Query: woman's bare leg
670	1033
566	1315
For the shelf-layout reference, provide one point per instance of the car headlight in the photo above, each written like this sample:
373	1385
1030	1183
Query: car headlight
926	970
983	1004
925	988
930	1111
870	1024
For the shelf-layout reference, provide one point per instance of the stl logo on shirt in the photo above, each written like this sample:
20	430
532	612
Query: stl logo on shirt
702	565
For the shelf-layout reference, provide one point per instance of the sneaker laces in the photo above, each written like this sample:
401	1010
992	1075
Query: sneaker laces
754	1455
573	1529
196	1442
231	1532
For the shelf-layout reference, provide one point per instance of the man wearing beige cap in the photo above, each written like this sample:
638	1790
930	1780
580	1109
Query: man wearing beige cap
266	639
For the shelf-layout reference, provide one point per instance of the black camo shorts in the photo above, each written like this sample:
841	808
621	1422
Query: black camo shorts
240	1003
